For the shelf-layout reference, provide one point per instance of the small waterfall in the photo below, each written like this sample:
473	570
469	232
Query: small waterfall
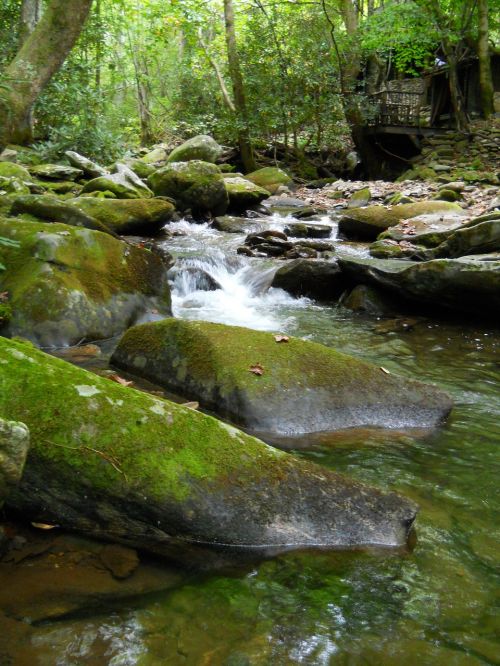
211	282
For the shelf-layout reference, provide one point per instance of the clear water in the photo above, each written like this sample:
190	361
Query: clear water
436	605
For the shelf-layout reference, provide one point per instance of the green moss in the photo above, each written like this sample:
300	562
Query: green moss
12	170
270	178
155	444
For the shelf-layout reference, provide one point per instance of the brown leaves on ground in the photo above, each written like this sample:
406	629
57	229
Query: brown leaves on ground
281	338
257	369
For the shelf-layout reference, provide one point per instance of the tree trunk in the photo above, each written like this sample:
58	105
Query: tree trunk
31	13
246	150
456	96
485	77
39	58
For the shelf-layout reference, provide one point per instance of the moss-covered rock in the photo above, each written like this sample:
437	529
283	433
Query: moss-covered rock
360	198
124	184
201	147
243	193
387	248
270	178
308	230
52	209
468	284
128	467
14	445
471	239
235	225
66	283
428	230
55	172
367	223
127	216
195	185
298	387
140	168
90	169
12	186
12	170
322	280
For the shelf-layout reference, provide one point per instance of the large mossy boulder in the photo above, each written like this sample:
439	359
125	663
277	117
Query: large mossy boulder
127	216
49	208
124	184
467	284
67	283
367	223
283	388
243	193
428	230
201	147
196	186
14	445
322	280
125	466
270	178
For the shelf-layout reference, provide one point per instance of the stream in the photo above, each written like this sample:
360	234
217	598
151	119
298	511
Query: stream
435	605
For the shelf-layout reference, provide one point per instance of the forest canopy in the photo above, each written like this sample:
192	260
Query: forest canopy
294	73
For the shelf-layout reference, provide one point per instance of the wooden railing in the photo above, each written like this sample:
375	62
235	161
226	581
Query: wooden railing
393	107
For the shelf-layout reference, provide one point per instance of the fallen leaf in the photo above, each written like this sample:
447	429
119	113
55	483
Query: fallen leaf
281	338
4	296
119	380
44	526
385	371
191	405
257	369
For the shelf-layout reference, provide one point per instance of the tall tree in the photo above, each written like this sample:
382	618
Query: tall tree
483	53
39	58
240	104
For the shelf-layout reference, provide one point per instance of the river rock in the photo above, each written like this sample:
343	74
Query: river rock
128	467
52	209
243	193
270	178
367	223
196	185
467	284
235	225
360	198
53	575
201	147
127	216
369	300
156	156
124	184
321	280
476	239
282	388
55	172
13	186
14	445
308	230
90	169
66	284
428	230
12	170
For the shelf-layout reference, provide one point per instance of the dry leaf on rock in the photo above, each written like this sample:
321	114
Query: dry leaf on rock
281	338
119	380
257	369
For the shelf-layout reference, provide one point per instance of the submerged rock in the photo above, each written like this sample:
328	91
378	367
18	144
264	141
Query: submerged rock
124	466
369	300
301	386
66	284
367	223
201	147
196	185
466	284
14	445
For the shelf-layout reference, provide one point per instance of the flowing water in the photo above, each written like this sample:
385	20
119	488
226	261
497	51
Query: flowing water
436	605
